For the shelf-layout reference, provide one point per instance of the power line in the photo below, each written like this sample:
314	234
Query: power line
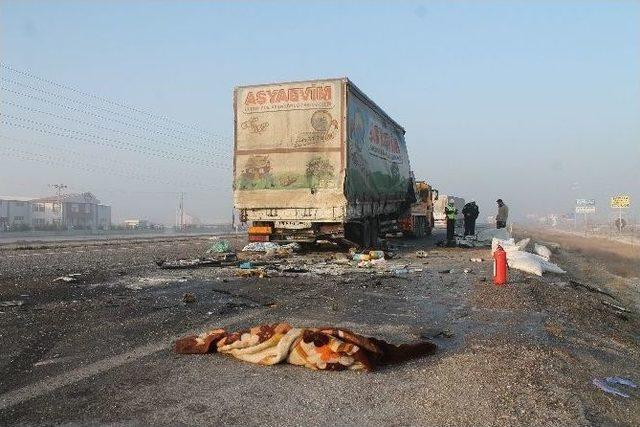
101	117
108	101
81	155
113	143
34	110
57	161
66	98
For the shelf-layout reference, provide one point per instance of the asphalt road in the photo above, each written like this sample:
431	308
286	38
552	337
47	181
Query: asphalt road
98	350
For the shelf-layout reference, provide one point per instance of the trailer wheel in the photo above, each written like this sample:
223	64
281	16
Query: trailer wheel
374	231
365	234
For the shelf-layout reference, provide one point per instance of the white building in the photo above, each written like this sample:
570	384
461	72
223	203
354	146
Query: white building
80	210
15	212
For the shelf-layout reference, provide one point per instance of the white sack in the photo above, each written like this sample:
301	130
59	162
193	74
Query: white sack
542	250
521	261
508	245
490	233
531	263
522	244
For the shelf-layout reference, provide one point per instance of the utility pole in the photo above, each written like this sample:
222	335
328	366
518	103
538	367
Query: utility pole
59	188
180	218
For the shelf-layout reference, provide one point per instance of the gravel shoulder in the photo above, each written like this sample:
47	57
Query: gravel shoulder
98	350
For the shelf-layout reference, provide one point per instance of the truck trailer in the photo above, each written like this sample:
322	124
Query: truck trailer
318	160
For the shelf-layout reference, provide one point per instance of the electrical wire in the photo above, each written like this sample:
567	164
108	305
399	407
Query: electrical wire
108	101
33	110
101	117
109	142
66	98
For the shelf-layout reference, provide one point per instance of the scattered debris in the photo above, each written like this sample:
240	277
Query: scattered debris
265	246
246	265
617	307
476	260
12	303
73	277
361	257
220	247
188	298
604	386
590	288
444	333
421	254
467	270
188	263
255	272
376	254
450	270
295	270
621	381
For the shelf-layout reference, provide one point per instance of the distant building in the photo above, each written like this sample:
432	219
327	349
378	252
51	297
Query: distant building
15	212
80	210
136	223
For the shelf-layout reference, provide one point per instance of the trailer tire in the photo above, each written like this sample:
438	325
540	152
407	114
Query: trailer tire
374	231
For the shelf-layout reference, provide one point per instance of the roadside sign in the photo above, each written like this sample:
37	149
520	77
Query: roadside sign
585	202
585	209
621	201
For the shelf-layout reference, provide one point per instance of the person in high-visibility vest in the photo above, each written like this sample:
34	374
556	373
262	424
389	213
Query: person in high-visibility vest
451	212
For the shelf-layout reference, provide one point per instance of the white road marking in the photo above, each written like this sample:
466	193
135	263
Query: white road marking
23	394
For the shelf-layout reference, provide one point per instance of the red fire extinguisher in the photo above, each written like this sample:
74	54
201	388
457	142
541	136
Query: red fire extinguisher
499	266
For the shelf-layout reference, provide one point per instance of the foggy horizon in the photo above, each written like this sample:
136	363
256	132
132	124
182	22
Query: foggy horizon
534	103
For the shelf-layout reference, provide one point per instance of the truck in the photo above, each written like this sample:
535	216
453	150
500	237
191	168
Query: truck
439	215
420	221
318	160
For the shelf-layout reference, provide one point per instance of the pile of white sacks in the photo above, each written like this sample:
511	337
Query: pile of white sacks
519	259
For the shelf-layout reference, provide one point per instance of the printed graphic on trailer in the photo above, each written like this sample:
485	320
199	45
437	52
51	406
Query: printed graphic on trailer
292	115
288	171
377	154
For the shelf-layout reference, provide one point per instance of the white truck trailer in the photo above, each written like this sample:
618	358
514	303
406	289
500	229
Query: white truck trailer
318	160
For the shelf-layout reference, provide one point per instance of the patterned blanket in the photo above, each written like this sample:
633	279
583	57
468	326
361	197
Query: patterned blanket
314	348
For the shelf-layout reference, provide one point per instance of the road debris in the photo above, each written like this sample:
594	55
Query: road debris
220	247
254	272
265	246
314	348
475	259
188	263
616	307
592	288
421	254
603	384
73	277
11	303
188	298
621	381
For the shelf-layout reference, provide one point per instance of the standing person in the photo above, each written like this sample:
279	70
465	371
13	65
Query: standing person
470	212
503	214
451	212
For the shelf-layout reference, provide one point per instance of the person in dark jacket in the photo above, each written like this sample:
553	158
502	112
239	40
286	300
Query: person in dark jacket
470	212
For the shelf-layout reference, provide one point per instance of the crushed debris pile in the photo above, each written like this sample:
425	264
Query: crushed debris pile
314	348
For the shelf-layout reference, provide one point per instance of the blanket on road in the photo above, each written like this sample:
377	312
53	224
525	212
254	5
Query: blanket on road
314	348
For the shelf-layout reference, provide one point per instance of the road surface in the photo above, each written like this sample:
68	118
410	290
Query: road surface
99	350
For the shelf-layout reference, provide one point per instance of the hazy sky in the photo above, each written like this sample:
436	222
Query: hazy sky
535	102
